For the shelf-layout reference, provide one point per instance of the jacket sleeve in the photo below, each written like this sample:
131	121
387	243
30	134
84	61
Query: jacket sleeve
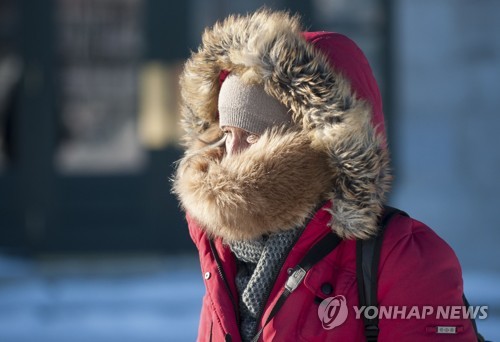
419	269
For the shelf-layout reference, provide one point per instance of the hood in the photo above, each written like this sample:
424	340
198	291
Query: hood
335	151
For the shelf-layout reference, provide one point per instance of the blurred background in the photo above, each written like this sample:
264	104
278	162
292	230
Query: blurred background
93	246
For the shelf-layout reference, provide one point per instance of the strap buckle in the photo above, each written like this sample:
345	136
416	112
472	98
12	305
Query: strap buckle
371	332
295	279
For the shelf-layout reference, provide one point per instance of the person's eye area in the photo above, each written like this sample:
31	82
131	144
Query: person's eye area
252	138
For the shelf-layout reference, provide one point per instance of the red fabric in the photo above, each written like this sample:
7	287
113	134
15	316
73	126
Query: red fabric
416	268
348	59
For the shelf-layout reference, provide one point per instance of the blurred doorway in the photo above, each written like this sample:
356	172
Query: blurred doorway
78	171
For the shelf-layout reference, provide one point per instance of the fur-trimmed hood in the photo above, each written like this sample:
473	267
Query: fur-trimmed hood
335	151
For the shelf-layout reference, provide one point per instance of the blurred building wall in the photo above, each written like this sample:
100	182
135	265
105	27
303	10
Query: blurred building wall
447	124
79	177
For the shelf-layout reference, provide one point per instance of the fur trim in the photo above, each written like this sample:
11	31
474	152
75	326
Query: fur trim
265	188
268	48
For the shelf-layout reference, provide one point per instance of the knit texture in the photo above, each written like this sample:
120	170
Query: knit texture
249	107
259	262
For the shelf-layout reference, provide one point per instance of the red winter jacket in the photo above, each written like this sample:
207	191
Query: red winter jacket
336	153
417	268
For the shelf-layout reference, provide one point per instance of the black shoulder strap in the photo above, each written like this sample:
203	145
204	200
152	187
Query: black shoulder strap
367	261
321	249
480	338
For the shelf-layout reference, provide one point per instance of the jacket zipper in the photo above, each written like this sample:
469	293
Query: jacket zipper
211	330
224	279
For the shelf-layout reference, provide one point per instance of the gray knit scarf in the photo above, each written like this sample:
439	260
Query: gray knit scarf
258	265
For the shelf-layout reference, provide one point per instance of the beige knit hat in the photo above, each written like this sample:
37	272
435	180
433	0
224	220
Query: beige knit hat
249	107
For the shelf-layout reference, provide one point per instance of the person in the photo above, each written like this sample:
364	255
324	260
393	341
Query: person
285	144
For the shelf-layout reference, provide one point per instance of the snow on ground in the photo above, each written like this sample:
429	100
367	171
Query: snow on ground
135	298
101	299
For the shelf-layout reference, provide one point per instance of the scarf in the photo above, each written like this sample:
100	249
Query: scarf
259	262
